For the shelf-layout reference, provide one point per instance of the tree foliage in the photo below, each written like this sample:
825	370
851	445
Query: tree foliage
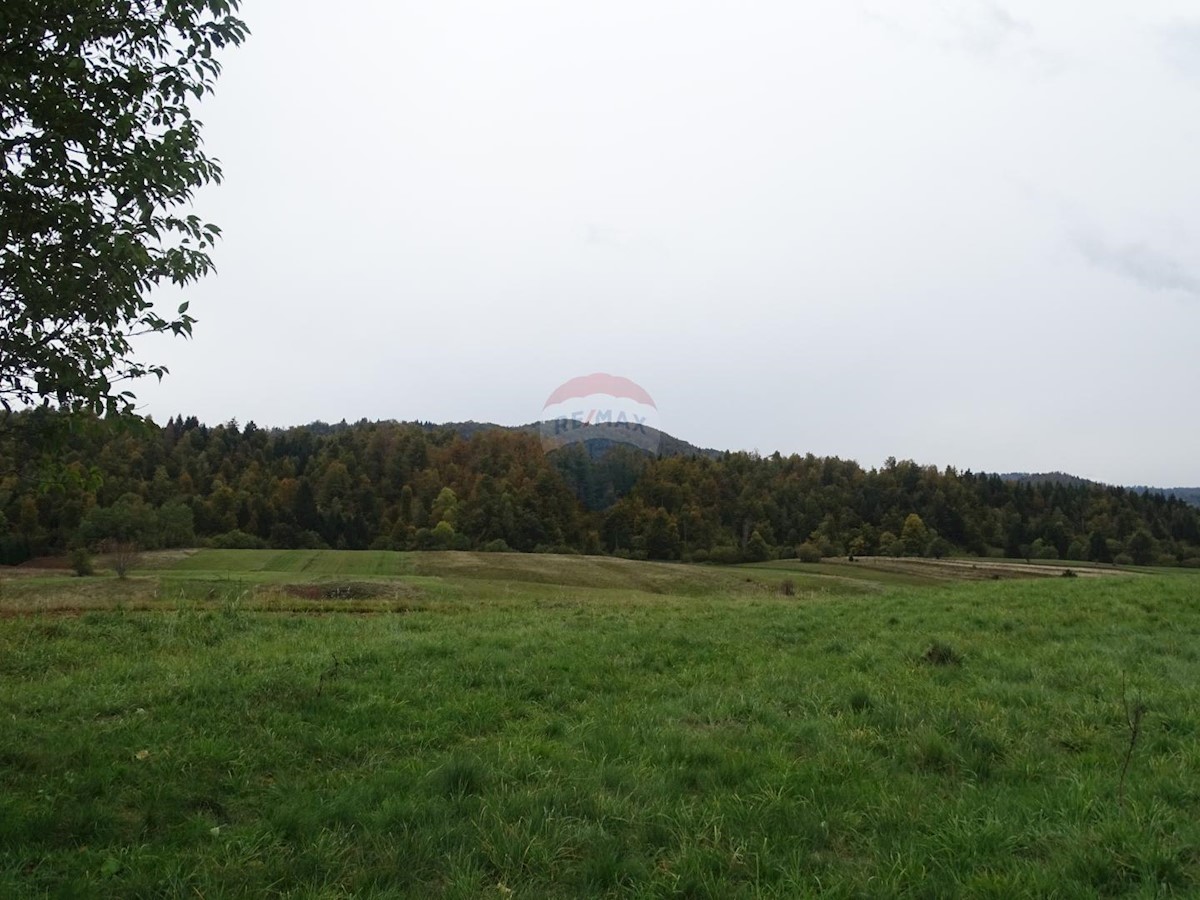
405	486
101	155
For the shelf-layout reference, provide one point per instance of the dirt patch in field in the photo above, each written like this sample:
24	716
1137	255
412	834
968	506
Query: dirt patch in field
341	590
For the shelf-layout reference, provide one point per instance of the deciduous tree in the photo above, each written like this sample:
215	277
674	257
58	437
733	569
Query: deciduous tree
100	155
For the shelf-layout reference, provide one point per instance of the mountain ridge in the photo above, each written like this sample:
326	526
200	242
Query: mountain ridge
1190	495
670	446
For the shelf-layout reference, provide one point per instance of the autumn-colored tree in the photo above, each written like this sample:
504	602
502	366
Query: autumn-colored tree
914	536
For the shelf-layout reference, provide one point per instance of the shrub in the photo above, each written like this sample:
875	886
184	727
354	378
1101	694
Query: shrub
499	545
1043	550
1192	562
443	535
129	520
808	552
122	556
939	548
757	549
787	587
1123	559
81	562
237	540
889	545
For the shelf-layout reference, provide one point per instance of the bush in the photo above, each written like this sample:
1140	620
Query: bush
889	545
175	526
1043	550
122	556
939	548
1192	562
700	556
808	552
81	562
757	549
129	520
1123	559
499	545
787	587
237	540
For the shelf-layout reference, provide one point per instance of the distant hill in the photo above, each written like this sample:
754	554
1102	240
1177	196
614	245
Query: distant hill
1187	495
1049	478
598	438
612	488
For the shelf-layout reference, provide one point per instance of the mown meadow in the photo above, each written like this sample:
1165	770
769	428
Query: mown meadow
324	724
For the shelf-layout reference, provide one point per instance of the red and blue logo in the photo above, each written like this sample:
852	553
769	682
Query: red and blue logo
600	407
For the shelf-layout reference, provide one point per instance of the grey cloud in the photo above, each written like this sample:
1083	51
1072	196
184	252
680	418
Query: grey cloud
1141	265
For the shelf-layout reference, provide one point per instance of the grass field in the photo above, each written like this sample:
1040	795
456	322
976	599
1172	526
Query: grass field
322	724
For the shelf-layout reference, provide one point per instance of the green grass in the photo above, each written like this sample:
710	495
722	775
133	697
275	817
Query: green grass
496	725
307	563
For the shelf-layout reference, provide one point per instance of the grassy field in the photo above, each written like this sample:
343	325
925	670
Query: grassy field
322	724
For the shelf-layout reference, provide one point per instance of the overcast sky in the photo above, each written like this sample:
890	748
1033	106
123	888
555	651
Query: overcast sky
964	232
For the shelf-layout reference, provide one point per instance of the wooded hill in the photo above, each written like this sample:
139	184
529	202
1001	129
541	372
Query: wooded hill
1187	495
411	486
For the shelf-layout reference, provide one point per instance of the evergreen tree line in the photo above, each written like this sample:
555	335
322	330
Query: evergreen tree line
72	482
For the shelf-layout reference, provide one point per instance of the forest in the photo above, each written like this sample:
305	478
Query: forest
81	481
